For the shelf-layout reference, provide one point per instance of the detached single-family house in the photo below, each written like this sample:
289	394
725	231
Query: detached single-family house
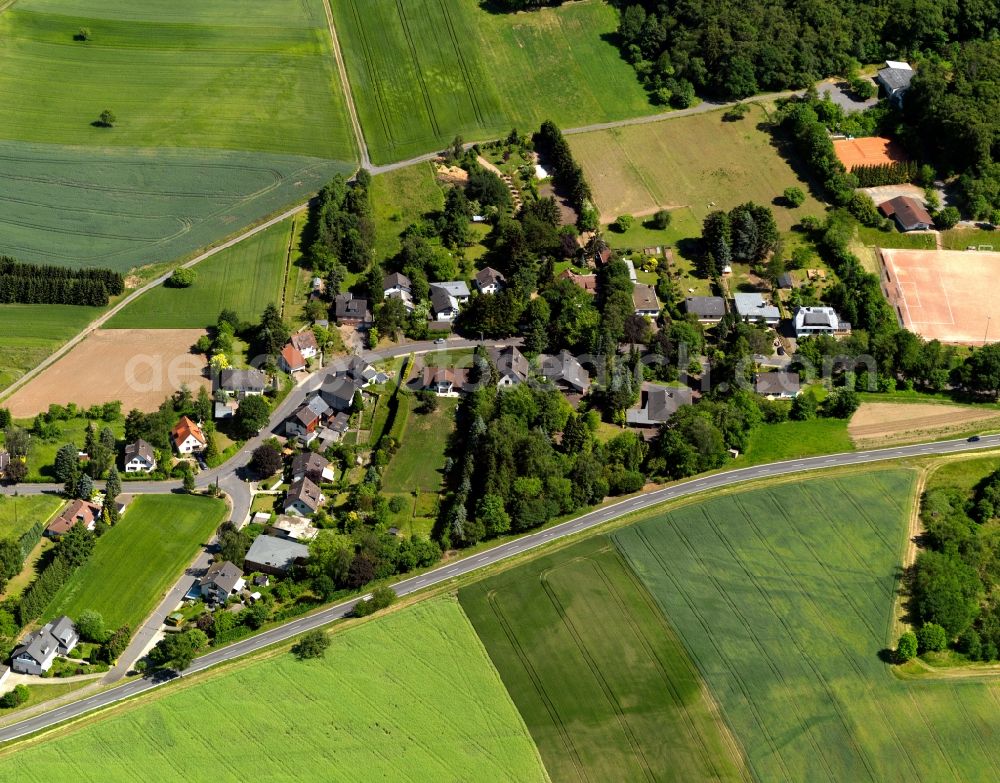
895	79
777	385
294	528
77	512
303	499
511	365
307	417
398	286
565	372
707	309
351	311
444	305
489	280
359	370
241	383
275	556
187	437
909	214
443	381
312	466
305	343
455	288
644	300
587	282
221	581
38	650
339	391
139	457
656	405
819	320
753	308
291	359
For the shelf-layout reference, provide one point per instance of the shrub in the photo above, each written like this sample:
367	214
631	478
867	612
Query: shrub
90	626
312	645
623	223
15	698
794	196
947	218
181	278
737	112
906	647
382	597
932	638
106	119
661	219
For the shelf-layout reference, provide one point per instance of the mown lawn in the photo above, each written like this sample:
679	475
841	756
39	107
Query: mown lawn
783	598
18	514
795	439
245	277
135	562
410	696
42	453
418	463
604	685
423	71
32	332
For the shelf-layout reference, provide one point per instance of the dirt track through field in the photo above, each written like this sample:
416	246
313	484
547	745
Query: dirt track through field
139	367
887	422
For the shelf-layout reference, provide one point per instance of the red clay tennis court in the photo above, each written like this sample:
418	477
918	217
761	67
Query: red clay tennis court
867	151
944	295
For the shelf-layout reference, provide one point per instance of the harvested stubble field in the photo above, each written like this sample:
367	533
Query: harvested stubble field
604	685
884	423
423	71
245	277
136	561
139	367
698	161
783	598
409	696
32	332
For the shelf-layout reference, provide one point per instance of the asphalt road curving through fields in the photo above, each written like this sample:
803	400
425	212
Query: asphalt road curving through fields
494	555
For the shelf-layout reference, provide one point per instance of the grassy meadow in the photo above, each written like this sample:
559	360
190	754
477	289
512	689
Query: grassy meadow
137	560
32	332
417	465
423	71
18	514
402	197
245	277
782	597
699	161
410	696
796	439
636	708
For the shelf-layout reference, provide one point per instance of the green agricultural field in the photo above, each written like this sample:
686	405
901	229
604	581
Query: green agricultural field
32	332
423	71
604	685
125	209
417	465
245	277
698	161
18	514
136	561
783	598
402	197
410	696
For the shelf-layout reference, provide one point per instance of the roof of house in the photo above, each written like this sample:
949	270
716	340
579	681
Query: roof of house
305	492
907	210
644	298
753	306
587	282
242	380
76	511
292	357
304	341
564	368
184	429
347	306
139	449
489	276
785	280
777	383
441	300
456	288
339	391
359	369
396	280
896	75
603	254
46	639
661	402
510	361
340	422
62	629
225	576
309	464
433	376
275	552
705	306
293	527
305	416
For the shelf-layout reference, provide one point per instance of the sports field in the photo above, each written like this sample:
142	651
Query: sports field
943	294
783	597
136	561
868	151
73	206
411	696
18	514
423	71
137	367
219	74
245	277
698	161
32	332
604	685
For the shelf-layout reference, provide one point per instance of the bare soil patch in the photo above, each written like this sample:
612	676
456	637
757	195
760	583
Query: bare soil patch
883	423
139	367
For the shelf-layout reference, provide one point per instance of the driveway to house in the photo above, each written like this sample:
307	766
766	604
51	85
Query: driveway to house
446	573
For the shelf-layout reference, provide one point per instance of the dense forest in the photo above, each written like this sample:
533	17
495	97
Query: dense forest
23	283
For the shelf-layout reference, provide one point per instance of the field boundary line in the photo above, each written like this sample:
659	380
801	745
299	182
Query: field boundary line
345	85
288	265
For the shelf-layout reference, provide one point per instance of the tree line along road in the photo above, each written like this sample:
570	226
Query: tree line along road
491	556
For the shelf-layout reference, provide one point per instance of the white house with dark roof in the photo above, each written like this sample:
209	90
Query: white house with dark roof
819	320
565	372
303	499
140	457
777	385
489	281
707	309
444	305
511	364
305	343
398	286
221	581
644	300
241	383
657	404
38	650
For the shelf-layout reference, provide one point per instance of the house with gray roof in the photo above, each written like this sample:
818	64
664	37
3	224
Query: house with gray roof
644	300
753	308
350	310
819	320
339	392
489	280
565	372
777	385
303	498
315	467
398	286
221	581
511	365
139	457
657	404
707	309
38	650
895	79
444	305
241	383
275	556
